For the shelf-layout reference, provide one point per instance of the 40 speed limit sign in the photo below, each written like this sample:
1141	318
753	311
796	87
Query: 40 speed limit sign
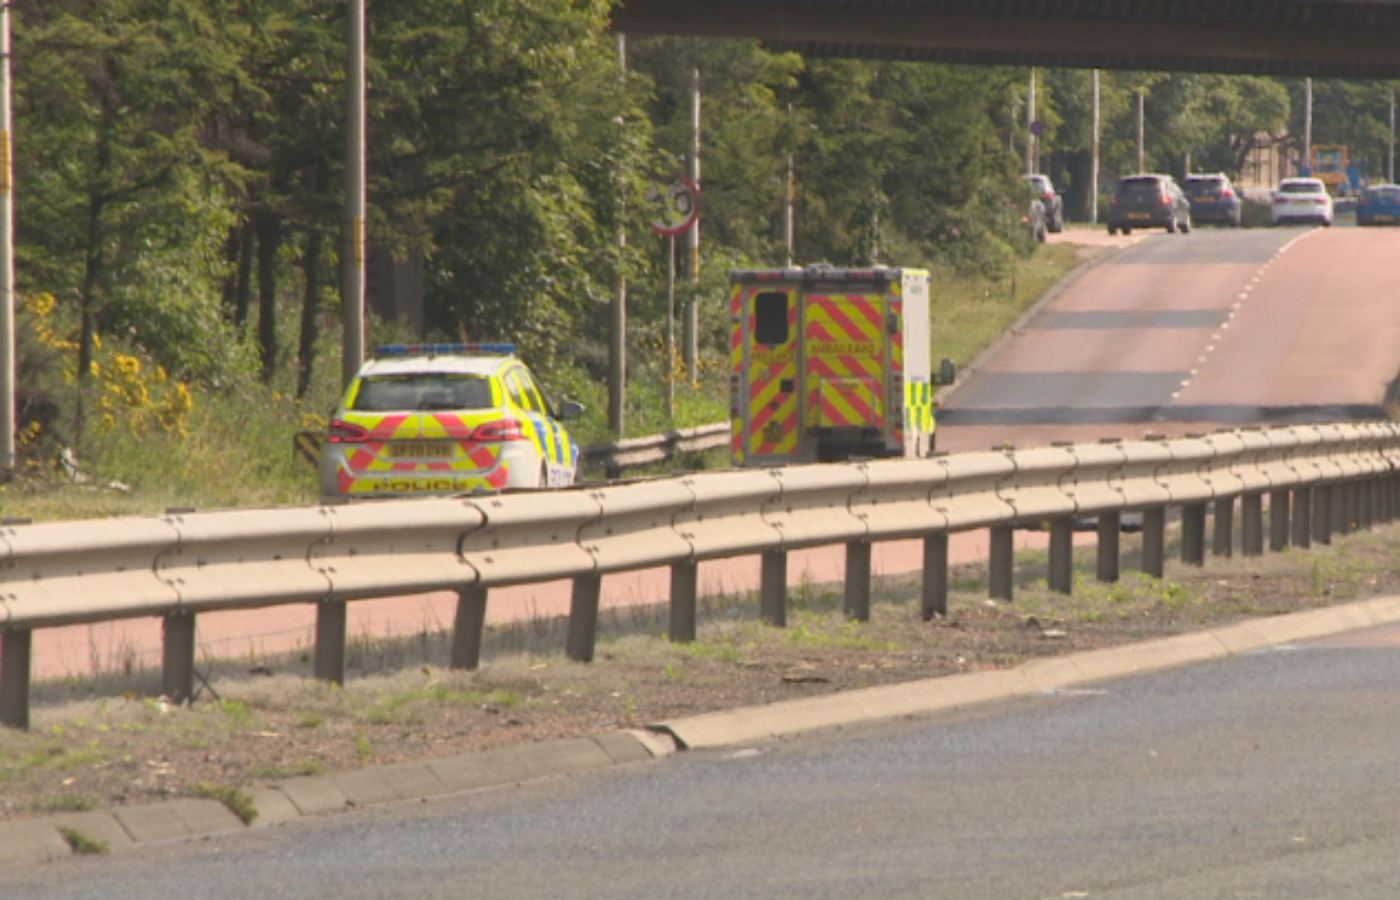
674	207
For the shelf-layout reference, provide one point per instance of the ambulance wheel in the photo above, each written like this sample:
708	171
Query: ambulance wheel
544	476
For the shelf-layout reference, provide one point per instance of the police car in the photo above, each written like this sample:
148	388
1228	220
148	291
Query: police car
445	419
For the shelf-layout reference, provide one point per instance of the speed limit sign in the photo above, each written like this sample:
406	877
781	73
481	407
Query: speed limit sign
674	207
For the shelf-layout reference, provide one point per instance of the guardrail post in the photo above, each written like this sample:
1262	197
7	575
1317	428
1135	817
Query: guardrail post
467	627
330	641
177	657
858	581
1193	534
15	648
1154	540
772	588
1252	524
1302	516
1224	543
1322	514
685	578
1340	510
583	618
1061	575
1000	562
935	575
1109	527
1278	519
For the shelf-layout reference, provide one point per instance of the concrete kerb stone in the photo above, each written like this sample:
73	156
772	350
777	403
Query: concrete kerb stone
29	843
95	824
273	806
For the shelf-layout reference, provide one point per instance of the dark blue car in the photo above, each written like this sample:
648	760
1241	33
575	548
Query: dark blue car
1213	199
1379	205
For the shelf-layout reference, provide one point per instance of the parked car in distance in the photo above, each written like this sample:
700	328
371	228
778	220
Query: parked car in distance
1213	199
1301	200
1054	203
1379	204
1148	201
424	419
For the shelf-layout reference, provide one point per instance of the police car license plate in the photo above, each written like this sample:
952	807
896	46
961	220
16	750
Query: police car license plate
420	449
1385	218
1138	216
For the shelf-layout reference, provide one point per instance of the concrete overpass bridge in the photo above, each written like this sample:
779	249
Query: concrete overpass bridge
1322	38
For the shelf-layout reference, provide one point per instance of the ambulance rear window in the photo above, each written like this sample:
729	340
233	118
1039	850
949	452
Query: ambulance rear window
771	318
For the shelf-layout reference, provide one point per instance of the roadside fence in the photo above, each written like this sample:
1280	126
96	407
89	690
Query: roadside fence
1317	481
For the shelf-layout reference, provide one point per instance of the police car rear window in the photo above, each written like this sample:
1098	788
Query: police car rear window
422	393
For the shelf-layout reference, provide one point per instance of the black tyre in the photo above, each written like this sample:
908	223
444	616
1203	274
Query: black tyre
1171	225
1112	231
1127	231
1186	227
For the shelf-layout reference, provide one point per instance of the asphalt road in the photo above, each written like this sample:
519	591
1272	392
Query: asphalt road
1268	775
1181	333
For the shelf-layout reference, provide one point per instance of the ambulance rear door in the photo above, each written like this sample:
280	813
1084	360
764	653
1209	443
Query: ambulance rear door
765	359
847	362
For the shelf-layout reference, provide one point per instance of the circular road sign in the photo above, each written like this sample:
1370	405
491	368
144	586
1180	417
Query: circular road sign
674	207
1038	127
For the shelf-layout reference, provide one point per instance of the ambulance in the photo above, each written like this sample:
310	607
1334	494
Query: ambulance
831	364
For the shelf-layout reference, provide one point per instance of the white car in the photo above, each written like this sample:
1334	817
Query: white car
1302	200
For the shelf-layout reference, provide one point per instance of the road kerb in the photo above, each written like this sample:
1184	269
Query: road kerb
29	842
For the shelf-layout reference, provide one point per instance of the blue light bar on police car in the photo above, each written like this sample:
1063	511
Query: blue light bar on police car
441	349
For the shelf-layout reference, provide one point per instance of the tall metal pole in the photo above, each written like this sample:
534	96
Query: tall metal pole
789	201
1142	104
1390	163
1030	121
353	259
1307	124
1094	159
617	318
670	374
692	310
7	261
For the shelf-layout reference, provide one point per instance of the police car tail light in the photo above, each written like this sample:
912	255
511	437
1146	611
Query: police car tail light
499	430
342	432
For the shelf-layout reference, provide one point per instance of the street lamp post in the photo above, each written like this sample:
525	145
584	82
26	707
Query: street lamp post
7	263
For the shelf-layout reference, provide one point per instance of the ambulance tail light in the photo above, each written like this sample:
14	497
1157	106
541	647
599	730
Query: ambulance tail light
499	430
342	432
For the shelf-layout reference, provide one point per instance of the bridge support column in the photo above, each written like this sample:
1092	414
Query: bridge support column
935	599
1154	540
1366	497
1341	508
468	627
1252	524
177	657
1000	563
1060	577
685	594
1193	534
1278	520
772	588
858	575
1109	526
583	618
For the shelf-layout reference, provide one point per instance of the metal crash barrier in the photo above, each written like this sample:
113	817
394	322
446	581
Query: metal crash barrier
1318	480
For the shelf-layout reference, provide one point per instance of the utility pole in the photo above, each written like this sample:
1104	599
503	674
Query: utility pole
617	318
1142	104
1307	124
1390	163
692	310
352	264
8	338
1094	159
1030	121
789	201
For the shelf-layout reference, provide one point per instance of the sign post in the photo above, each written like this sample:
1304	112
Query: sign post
675	209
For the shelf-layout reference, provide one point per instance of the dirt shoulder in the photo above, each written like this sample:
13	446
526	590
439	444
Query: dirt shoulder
107	742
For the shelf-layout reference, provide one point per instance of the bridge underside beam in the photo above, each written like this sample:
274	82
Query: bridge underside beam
1324	38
